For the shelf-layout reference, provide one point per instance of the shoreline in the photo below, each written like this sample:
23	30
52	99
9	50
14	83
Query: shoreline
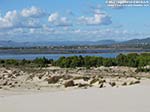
19	51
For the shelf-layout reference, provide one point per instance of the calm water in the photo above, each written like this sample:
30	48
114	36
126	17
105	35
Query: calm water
52	56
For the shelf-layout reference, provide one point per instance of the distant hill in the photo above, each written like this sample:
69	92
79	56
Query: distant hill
73	43
106	42
54	43
9	43
138	41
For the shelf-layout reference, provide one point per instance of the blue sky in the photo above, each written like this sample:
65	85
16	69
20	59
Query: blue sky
77	20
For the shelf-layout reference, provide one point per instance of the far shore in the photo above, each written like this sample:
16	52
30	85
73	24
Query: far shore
68	50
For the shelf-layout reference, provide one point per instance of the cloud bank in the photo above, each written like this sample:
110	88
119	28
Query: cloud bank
33	23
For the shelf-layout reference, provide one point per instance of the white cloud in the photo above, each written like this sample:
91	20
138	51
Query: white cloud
57	20
27	23
14	19
32	30
96	8
46	28
30	23
9	20
32	12
53	17
97	19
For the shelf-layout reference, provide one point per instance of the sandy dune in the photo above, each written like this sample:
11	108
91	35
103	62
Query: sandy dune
124	99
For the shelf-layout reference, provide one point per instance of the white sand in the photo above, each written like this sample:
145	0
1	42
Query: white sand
124	99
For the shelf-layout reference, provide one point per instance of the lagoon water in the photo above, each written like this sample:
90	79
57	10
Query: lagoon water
53	56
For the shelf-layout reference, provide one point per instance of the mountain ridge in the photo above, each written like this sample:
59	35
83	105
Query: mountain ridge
11	43
54	43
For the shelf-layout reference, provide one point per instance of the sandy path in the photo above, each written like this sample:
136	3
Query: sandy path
125	99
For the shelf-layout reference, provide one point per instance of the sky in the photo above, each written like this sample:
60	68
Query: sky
71	20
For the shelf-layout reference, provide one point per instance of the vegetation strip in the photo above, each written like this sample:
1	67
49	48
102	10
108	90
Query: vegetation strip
140	61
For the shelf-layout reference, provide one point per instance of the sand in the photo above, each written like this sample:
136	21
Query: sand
123	99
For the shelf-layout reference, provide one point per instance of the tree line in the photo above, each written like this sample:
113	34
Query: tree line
130	60
38	62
